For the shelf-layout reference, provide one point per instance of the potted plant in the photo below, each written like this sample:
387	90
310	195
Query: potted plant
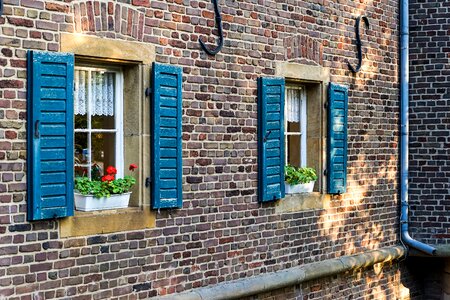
106	193
299	180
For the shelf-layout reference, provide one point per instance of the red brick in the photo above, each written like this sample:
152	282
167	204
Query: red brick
11	84
20	22
57	7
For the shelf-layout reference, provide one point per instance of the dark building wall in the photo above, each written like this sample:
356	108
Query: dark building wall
429	120
222	232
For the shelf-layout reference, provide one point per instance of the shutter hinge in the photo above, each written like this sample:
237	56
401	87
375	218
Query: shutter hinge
148	180
325	172
148	92
325	105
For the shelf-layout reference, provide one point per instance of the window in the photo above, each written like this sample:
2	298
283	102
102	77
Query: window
298	140
295	134
85	117
98	110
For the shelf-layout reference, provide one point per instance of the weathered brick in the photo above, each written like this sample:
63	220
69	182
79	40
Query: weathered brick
57	7
142	287
30	248
20	22
222	232
19	227
96	240
11	84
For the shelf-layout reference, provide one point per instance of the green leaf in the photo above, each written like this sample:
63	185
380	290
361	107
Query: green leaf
296	175
99	189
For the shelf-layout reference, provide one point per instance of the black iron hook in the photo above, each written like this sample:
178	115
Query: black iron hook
359	43
220	31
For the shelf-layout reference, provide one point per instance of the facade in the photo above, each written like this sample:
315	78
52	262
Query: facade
127	82
429	114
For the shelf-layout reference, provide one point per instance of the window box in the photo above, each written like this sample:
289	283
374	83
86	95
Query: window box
299	188
90	203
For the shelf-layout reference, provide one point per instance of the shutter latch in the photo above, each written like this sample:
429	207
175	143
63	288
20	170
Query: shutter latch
267	135
147	182
37	134
148	92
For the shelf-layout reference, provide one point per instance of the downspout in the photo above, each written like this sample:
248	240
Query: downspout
404	131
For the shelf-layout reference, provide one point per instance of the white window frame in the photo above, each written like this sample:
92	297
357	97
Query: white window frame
303	125
118	118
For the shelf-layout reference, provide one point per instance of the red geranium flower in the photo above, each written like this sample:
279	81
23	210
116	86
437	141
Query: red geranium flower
111	170
132	167
108	178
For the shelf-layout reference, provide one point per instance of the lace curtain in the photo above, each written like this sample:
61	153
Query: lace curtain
293	105
101	86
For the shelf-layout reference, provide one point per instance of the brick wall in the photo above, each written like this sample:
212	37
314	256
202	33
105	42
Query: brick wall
429	121
388	282
222	233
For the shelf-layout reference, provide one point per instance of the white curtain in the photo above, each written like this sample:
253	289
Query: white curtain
80	95
293	105
102	93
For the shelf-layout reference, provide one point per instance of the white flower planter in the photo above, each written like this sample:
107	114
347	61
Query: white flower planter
299	188
90	203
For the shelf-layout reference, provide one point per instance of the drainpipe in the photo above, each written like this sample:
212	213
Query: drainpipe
404	131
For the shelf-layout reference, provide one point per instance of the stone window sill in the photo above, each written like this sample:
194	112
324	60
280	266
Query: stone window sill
301	202
107	221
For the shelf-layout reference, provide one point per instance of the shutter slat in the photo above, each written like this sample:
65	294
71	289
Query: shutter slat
48	81
47	117
337	139
53	178
166	136
52	69
53	94
50	135
53	142
55	130
168	92
53	105
168	173
53	190
50	203
270	139
53	166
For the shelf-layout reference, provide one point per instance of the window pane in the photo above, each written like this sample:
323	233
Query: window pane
81	122
293	150
293	127
103	93
102	122
103	150
81	148
81	171
81	154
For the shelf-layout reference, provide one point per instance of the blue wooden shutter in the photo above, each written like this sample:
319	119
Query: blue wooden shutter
270	139
50	135
337	139
167	165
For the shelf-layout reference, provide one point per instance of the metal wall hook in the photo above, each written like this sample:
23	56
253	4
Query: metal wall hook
218	19
359	43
